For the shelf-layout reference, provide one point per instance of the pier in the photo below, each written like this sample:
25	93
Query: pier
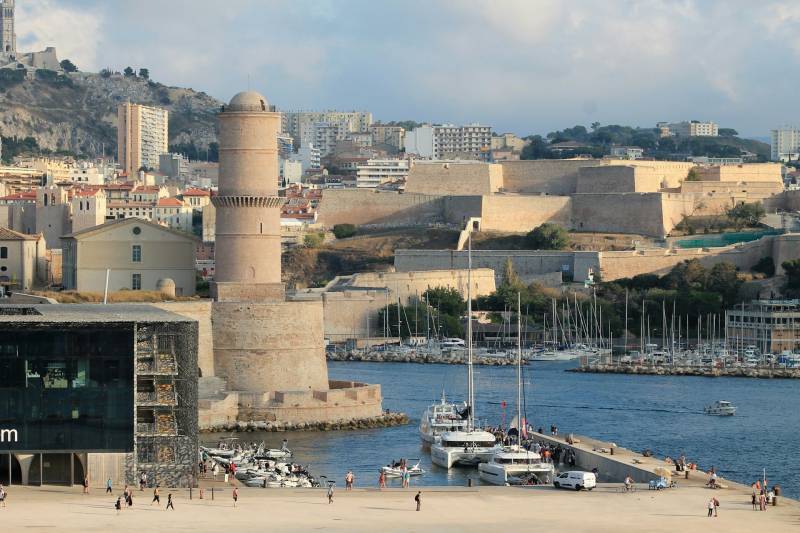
764	372
443	358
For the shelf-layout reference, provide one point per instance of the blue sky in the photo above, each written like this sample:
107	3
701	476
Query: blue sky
524	66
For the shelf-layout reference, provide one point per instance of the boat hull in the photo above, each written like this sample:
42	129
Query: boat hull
449	457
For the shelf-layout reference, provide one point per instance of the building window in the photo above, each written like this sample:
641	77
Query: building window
3	252
136	253
136	282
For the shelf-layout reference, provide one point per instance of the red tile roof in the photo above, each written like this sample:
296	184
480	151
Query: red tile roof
169	202
196	192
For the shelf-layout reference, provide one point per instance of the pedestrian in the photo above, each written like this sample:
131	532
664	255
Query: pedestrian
330	493
109	484
169	502
348	480
754	499
3	494
156	497
711	507
716	506
142	481
130	498
406	478
118	504
418	499
762	501
235	495
86	485
382	480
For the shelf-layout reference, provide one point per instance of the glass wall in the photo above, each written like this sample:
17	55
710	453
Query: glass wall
65	388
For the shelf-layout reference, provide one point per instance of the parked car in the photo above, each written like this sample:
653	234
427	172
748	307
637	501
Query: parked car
575	480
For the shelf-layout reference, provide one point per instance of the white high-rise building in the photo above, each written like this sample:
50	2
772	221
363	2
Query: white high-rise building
447	141
142	136
379	171
294	122
785	143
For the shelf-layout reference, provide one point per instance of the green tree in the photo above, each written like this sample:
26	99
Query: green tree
144	73
692	175
792	270
547	237
446	300
128	72
687	275
724	280
68	66
313	240
728	132
766	266
746	214
343	231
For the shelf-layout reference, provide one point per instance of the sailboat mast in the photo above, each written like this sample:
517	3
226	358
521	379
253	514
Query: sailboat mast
625	347
519	369
470	388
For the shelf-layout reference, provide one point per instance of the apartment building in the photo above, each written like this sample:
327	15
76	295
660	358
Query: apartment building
394	136
142	136
378	171
692	128
448	141
785	144
293	122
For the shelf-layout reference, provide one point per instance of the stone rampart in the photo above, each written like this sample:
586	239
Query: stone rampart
514	213
544	176
447	178
768	172
620	213
669	173
381	208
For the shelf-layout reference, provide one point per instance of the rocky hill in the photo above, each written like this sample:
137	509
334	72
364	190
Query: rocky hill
78	112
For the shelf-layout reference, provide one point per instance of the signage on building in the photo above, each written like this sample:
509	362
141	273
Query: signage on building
9	436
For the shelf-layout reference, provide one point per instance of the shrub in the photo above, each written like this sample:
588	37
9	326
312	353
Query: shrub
766	266
343	231
313	240
547	237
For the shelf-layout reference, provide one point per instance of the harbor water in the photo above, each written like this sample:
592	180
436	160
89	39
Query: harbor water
660	413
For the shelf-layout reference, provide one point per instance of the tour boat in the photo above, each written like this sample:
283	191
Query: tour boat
514	465
396	471
440	417
721	408
468	446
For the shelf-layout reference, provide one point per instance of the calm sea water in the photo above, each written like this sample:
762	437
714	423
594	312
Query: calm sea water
663	414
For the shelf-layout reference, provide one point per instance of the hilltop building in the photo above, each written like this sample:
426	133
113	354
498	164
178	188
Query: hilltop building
785	144
8	36
142	136
10	58
692	128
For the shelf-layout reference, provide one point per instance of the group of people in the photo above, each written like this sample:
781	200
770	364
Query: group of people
762	495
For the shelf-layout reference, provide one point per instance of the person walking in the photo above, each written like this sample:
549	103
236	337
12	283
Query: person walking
330	493
710	507
109	486
382	480
716	505
118	504
235	495
156	497
86	485
348	480
169	502
2	495
130	498
406	478
754	499
418	499
762	500
142	481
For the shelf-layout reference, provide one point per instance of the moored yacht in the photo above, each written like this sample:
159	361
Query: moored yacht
440	417
514	465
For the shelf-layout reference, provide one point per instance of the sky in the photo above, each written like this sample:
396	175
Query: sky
521	66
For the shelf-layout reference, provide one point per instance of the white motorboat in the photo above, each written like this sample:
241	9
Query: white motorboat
514	465
468	446
440	417
720	408
396	471
463	448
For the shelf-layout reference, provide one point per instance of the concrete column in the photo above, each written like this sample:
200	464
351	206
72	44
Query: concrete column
25	462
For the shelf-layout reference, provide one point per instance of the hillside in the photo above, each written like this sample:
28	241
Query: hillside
78	113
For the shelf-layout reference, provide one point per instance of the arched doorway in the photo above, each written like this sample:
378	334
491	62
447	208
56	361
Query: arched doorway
15	473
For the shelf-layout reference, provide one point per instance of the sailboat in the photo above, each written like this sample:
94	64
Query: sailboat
514	465
468	446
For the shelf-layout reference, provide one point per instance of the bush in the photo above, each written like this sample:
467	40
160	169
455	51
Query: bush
766	266
313	240
745	214
343	231
547	237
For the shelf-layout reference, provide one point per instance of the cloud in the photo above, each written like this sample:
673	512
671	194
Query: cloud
75	32
520	65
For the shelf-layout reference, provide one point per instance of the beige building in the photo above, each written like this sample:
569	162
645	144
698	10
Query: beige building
88	208
22	260
142	136
769	326
138	254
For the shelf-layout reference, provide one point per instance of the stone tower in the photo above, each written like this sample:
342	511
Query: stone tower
248	240
7	36
262	342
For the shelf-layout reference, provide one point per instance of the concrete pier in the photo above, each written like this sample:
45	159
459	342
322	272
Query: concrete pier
708	372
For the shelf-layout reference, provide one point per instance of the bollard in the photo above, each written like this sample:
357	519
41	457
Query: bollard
190	493
469	482
687	475
612	450
212	493
201	493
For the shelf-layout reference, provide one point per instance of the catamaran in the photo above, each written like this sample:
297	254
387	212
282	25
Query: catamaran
514	465
440	417
467	446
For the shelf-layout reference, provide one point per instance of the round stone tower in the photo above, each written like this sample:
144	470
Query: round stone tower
262	342
248	240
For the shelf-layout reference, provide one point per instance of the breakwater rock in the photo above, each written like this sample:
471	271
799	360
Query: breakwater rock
739	372
387	419
447	358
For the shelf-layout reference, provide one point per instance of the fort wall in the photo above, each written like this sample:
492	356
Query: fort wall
619	213
544	176
448	178
369	207
514	213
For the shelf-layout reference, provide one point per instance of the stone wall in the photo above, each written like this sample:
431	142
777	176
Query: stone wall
669	173
447	178
385	208
769	172
619	213
270	346
514	213
544	176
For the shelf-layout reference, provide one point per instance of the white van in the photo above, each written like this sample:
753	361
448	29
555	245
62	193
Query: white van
575	480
